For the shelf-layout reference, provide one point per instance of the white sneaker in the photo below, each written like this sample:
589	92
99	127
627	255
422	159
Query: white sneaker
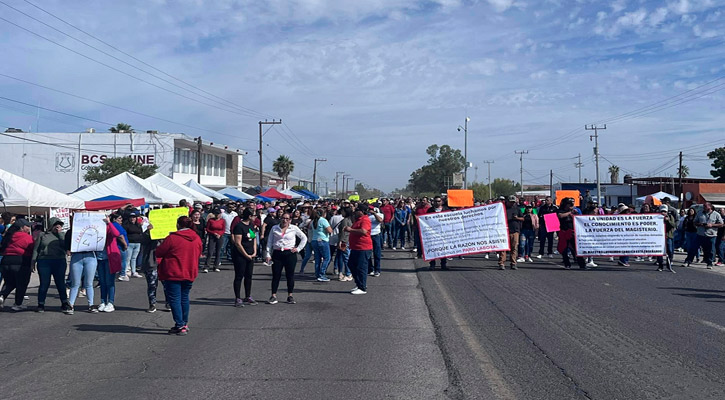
2	302
591	264
402	248
551	256
371	274
136	275
358	291
539	256
19	308
529	259
611	259
556	252
349	279
123	278
102	307
109	308
393	248
486	256
520	260
354	289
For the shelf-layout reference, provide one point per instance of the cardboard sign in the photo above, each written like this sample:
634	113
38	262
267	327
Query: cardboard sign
562	194
552	222
354	197
620	235
62	214
88	233
164	221
460	198
472	230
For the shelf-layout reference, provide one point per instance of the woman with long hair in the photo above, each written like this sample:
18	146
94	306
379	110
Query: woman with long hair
17	251
133	233
215	229
691	241
178	268
244	251
109	263
342	255
49	257
320	237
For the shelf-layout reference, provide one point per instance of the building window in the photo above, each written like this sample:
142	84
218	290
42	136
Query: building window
193	162
177	159
216	165
209	165
185	161
223	166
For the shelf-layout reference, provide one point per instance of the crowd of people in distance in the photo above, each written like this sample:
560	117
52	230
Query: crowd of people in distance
349	235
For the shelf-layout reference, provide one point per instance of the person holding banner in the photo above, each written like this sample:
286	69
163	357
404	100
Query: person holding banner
544	235
514	219
109	263
567	241
436	208
670	226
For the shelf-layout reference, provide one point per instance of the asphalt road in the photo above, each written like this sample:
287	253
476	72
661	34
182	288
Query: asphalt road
473	332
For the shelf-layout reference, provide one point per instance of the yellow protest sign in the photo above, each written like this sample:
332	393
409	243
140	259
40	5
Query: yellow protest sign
354	197
164	221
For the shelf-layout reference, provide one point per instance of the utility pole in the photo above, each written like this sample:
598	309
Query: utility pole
682	195
521	158
490	193
596	155
198	161
579	165
551	182
465	151
314	175
347	184
337	193
265	122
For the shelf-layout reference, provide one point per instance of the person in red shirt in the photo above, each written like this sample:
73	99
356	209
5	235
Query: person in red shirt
215	228
17	251
388	211
178	268
361	248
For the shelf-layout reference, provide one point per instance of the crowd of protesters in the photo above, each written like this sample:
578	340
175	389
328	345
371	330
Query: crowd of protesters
343	237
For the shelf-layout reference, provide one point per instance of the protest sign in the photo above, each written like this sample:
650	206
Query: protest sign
460	198
88	233
620	235
562	194
62	214
164	221
354	197
471	230
552	222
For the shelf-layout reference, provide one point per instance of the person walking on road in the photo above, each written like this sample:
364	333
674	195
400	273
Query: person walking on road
215	229
133	233
436	208
514	218
244	251
376	222
49	258
361	248
546	238
320	239
388	212
282	252
567	241
17	253
178	268
149	266
708	221
529	226
109	262
670	226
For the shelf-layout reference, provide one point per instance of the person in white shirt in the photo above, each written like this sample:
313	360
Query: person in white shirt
281	250
228	217
376	221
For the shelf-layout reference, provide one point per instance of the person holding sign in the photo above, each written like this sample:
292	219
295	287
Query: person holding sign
436	208
514	217
567	240
177	269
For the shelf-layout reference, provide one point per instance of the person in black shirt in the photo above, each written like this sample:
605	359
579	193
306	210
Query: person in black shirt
567	241
547	208
436	208
243	253
514	218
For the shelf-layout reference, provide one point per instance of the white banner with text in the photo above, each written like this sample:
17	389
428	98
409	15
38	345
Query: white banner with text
471	230
620	235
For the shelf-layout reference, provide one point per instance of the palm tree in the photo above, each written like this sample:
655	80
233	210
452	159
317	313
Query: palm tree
121	127
685	171
614	173
283	166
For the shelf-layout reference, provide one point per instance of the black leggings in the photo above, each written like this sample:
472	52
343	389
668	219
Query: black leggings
214	249
287	260
243	269
16	274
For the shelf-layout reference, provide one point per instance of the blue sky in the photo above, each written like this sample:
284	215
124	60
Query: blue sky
368	85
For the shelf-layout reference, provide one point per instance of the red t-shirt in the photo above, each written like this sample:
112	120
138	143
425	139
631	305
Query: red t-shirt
388	211
358	241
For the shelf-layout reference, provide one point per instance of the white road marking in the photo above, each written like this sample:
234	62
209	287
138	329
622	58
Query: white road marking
713	325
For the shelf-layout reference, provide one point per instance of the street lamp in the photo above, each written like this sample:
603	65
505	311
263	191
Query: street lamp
465	151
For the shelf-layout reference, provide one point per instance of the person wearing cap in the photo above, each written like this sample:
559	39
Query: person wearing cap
17	252
670	226
215	229
529	226
567	241
514	219
436	207
49	258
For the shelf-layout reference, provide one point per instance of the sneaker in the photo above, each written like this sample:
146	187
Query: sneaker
415	249
353	289
623	264
377	274
529	259
402	248
348	278
291	300
685	265
123	278
611	259
205	270
40	308
660	269
591	264
136	275
217	270
167	307
2	301
513	266
539	256
341	277
520	260
238	303
501	267
82	293
183	331
102	307
92	309
109	308
68	310
486	256
551	256
358	291
709	266
272	300
17	307
371	273
393	248
266	264
323	279
638	259
177	331
556	252
718	264
334	272
152	309
250	301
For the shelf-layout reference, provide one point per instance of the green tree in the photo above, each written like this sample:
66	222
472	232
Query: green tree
443	162
504	187
685	171
116	166
368	193
121	127
718	157
283	166
480	191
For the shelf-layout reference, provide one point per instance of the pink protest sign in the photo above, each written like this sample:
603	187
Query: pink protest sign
552	222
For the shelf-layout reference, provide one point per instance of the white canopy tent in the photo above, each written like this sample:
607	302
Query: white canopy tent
188	193
236	193
23	196
129	186
203	190
290	192
659	196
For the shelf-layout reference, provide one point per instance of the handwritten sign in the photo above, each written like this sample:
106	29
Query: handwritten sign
88	232
468	231
552	222
164	221
62	214
620	235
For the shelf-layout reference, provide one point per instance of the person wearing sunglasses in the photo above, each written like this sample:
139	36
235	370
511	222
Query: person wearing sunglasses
436	207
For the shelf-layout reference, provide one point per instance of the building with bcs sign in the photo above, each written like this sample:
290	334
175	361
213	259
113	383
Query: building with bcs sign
59	160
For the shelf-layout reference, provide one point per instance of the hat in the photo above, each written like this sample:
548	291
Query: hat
259	206
512	197
21	222
501	198
216	211
622	207
271	210
198	206
132	214
56	221
664	208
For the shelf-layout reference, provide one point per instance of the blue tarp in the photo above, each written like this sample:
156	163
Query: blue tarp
264	198
307	194
111	197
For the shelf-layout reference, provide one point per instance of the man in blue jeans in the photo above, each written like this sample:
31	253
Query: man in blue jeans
376	221
388	211
708	221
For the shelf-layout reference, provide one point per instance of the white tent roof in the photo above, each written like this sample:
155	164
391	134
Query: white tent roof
203	190
188	193
290	192
236	193
130	187
659	196
20	194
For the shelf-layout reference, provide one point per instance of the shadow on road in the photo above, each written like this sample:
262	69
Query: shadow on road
712	294
121	329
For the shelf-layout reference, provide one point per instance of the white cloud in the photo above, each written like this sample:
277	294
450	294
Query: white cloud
705	34
657	17
618	5
501	5
539	75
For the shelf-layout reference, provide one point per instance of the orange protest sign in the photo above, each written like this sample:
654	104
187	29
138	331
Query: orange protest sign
562	194
460	198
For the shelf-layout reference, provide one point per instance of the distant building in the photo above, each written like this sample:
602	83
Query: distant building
59	160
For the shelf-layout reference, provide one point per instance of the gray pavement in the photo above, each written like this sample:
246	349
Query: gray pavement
473	332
